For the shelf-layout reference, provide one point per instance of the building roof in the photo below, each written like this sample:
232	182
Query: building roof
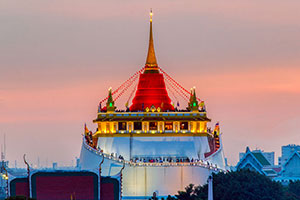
277	169
294	154
261	158
256	160
270	172
291	168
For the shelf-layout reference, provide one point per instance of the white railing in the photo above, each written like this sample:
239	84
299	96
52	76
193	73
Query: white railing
153	164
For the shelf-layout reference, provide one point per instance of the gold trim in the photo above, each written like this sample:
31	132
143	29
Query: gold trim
149	134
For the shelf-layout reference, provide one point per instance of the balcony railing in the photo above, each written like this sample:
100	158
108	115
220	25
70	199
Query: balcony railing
195	163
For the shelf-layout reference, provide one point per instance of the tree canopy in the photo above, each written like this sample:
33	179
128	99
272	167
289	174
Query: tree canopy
242	184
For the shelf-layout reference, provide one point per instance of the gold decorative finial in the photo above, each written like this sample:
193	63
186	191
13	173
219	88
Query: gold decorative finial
151	14
151	63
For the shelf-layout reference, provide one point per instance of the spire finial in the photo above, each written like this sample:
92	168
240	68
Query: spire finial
110	104
151	59
193	104
151	14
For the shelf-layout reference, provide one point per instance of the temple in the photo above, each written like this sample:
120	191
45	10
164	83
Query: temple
153	139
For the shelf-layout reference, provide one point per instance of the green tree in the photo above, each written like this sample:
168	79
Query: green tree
192	193
188	194
246	185
238	185
293	190
201	192
171	198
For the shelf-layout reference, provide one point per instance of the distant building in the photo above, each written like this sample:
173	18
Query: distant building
286	152
253	160
268	155
263	162
256	161
54	165
66	184
290	169
3	185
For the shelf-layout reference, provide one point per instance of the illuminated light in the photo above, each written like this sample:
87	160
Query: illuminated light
110	104
194	104
151	14
138	132
153	109
152	131
183	131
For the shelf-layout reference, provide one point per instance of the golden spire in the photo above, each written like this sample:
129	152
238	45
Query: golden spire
151	59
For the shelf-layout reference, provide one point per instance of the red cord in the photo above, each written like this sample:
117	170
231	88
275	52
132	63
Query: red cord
185	90
136	74
178	92
125	89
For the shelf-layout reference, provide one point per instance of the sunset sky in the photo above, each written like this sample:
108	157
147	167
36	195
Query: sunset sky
59	57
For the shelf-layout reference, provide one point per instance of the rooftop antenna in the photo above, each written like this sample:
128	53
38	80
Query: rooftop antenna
38	162
4	146
2	154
